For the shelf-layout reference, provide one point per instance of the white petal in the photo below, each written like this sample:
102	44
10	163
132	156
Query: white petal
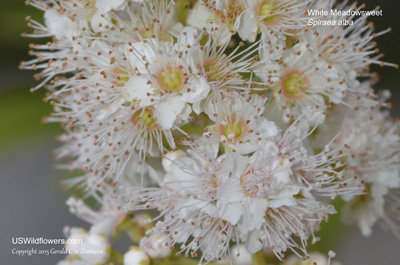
210	148
282	170
102	19
137	88
55	21
199	89
291	57
176	30
146	50
107	5
232	213
187	37
268	128
170	157
247	26
244	148
198	16
255	211
112	108
253	243
282	202
168	110
105	227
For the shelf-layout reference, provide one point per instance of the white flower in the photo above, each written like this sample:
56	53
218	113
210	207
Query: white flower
225	70
300	82
374	144
165	82
238	122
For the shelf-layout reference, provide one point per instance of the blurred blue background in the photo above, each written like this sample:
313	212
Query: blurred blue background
32	203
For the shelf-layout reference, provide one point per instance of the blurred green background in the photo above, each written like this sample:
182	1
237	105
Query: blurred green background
20	111
32	202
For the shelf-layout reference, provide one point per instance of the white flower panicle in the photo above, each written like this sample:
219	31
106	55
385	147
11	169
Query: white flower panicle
235	119
263	201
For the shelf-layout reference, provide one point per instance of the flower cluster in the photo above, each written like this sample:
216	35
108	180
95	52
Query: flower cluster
233	119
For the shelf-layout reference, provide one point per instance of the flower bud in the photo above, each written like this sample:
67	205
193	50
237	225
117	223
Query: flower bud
90	248
136	256
156	247
240	255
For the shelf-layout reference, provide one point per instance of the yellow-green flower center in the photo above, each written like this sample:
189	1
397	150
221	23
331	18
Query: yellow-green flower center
266	10
213	70
144	119
294	84
171	79
233	129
